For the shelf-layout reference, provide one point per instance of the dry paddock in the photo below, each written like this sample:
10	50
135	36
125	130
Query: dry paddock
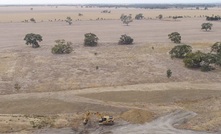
132	71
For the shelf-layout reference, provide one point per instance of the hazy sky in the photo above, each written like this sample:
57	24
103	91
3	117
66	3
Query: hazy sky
102	1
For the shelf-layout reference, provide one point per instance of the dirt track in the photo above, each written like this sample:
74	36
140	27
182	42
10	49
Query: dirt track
72	102
163	125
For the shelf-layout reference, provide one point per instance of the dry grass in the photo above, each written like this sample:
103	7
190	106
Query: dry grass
38	70
51	13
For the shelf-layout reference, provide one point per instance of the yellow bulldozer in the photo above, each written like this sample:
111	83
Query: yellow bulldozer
103	120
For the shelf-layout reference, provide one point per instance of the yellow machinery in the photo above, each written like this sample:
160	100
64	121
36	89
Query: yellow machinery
103	120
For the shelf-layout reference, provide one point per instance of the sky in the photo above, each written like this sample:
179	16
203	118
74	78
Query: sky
3	2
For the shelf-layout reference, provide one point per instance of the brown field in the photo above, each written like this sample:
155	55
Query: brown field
56	90
45	13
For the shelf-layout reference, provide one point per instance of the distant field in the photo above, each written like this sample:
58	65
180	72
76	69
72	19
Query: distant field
109	78
45	13
118	65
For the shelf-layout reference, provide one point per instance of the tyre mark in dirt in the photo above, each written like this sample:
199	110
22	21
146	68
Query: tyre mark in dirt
162	125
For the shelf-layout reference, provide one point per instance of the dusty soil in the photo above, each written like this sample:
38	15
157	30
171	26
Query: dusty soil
42	90
57	109
160	97
34	69
51	13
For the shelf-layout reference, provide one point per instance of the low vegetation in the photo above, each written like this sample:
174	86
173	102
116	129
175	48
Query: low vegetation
213	18
90	39
126	19
139	16
160	16
33	20
62	47
169	73
125	40
175	37
105	11
17	86
153	6
176	17
206	26
69	20
33	39
80	14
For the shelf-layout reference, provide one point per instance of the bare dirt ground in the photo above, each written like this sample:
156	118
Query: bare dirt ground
130	83
46	13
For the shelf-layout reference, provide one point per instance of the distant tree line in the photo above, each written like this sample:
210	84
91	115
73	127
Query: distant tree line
151	6
213	18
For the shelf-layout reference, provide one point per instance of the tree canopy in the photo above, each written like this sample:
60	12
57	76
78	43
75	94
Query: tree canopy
125	40
180	51
33	20
160	16
200	60
62	47
90	39
126	19
193	60
33	39
69	20
139	16
175	37
206	26
216	48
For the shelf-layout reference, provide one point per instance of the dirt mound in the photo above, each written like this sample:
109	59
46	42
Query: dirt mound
138	116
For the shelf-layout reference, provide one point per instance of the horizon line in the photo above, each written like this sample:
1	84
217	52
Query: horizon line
106	4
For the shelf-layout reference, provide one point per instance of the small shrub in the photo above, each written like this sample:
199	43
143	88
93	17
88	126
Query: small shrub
69	20
62	48
80	14
169	73
90	39
32	20
160	16
139	16
126	19
125	40
105	11
17	86
175	37
213	18
206	26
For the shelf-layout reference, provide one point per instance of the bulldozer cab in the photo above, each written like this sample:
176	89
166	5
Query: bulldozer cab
106	120
103	120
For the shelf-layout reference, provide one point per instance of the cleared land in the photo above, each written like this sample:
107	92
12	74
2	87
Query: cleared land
56	90
46	13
